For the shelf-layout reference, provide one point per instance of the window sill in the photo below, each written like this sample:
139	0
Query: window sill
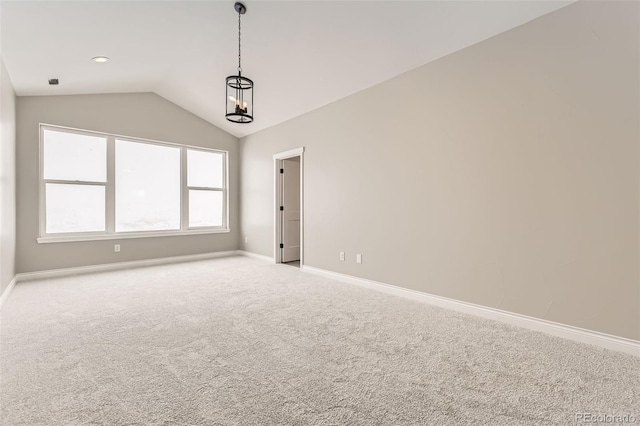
127	235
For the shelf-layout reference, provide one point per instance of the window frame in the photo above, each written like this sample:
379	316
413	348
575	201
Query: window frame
44	182
110	186
187	188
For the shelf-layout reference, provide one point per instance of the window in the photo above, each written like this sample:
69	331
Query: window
147	187
99	186
75	179
206	189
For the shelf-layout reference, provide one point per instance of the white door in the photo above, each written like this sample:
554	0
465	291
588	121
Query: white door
291	209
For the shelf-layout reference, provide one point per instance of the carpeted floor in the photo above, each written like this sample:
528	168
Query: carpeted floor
238	341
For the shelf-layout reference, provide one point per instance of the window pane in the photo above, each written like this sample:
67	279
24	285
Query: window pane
204	169
147	187
205	208
70	156
74	208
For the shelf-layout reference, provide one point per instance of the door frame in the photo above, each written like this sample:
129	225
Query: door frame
277	198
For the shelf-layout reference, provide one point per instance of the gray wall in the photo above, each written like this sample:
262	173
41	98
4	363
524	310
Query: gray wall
7	179
143	115
504	175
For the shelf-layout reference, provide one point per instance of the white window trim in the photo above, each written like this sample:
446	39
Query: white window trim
109	233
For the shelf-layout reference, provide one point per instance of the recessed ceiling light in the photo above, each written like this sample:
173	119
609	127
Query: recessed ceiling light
100	59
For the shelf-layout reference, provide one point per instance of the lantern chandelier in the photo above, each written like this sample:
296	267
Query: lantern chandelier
239	89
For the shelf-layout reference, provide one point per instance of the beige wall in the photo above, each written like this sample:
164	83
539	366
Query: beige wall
504	175
143	115
7	179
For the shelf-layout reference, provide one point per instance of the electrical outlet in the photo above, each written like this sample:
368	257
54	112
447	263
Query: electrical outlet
116	247
246	239
358	258
342	256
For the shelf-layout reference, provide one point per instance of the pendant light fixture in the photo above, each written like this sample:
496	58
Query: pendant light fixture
239	89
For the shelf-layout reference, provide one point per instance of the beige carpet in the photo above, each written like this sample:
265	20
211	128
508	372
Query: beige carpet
238	341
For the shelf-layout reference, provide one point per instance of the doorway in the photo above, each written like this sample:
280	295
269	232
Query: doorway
288	238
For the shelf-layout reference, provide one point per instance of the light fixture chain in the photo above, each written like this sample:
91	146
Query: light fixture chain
239	44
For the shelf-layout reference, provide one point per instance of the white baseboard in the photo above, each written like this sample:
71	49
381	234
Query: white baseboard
561	330
256	256
7	291
27	276
581	335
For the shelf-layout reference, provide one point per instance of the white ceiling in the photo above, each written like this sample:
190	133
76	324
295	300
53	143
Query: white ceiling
301	54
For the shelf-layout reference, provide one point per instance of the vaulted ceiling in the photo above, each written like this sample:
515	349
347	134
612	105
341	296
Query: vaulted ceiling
301	54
